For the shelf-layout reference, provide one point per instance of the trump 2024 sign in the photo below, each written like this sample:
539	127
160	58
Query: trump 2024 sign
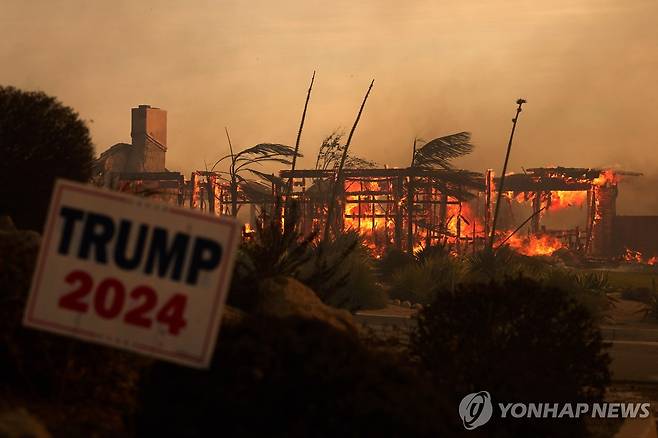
123	271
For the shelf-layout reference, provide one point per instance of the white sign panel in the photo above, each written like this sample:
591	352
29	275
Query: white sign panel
120	270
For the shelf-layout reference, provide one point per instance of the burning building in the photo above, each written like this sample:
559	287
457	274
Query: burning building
414	207
542	210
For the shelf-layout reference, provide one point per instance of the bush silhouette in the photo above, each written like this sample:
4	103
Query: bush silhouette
96	383
40	140
519	340
293	377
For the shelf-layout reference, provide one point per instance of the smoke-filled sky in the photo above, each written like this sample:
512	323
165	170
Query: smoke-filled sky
588	68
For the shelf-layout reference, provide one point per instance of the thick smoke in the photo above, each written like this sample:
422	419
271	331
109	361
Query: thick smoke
587	68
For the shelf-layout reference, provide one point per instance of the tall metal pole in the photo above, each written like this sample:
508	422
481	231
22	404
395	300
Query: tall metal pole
519	102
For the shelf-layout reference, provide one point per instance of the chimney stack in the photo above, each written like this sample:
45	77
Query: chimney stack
149	138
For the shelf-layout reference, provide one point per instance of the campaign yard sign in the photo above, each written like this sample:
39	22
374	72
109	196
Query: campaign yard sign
124	271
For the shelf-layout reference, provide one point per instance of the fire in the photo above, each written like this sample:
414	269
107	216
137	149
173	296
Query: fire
535	245
632	256
606	177
561	199
359	215
469	220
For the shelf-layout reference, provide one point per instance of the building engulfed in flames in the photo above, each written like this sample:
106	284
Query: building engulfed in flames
403	208
411	208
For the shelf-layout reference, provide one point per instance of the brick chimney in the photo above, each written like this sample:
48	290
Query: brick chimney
149	138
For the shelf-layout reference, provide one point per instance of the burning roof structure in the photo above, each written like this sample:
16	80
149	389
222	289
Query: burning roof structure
550	189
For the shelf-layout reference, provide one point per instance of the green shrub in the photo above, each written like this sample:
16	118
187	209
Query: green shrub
418	282
361	290
281	250
518	339
353	281
293	378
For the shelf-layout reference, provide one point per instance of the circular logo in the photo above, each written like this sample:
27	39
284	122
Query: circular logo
475	409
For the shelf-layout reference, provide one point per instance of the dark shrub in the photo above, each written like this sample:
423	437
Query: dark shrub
95	383
353	283
339	270
288	378
282	250
392	260
520	341
40	140
419	281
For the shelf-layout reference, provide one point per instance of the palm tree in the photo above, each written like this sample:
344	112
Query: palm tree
437	155
242	162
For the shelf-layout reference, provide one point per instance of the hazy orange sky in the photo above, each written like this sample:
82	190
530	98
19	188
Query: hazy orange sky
588	68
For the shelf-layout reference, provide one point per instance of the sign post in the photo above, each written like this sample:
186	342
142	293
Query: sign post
123	271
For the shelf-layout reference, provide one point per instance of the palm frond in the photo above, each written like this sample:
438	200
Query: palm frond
353	162
437	153
267	150
267	177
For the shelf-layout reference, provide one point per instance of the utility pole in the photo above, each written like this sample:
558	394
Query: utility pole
520	103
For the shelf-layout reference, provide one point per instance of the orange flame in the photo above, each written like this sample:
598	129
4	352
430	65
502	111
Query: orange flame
535	245
561	199
606	177
372	230
633	256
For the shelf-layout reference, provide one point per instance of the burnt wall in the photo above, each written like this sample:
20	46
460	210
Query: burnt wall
639	233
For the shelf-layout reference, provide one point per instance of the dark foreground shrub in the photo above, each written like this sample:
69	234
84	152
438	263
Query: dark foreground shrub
294	378
520	341
94	384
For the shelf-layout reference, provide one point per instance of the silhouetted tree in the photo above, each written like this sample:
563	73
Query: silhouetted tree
40	140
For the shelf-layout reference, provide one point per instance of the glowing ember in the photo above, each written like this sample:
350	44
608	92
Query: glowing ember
633	256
